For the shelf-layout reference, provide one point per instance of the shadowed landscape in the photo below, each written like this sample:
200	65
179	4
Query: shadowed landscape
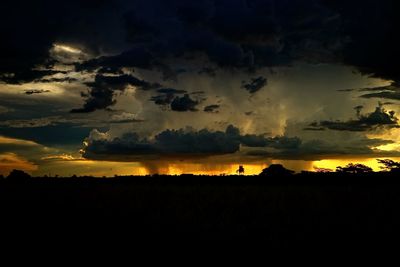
279	207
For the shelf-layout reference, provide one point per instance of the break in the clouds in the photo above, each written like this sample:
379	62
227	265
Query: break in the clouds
141	71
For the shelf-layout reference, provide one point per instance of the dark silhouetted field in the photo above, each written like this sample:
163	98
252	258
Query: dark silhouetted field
306	208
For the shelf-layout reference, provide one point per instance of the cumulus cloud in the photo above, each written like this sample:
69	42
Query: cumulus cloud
189	143
179	143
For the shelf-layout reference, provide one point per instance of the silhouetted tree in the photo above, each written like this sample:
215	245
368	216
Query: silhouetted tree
1	177
389	165
18	175
240	171
354	168
322	170
276	170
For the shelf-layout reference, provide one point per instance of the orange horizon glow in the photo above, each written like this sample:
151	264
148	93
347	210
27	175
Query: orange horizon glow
110	169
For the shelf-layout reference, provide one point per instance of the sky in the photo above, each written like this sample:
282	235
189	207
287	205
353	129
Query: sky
171	86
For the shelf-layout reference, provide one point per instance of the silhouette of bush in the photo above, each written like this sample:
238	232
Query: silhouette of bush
276	170
354	168
389	165
18	175
240	171
322	170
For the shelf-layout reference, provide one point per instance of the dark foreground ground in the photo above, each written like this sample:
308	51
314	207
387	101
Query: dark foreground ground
279	211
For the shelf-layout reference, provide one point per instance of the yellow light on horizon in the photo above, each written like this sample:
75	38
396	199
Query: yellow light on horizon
66	165
333	163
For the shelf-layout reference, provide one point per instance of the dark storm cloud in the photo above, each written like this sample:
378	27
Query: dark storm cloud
36	91
346	90
121	81
231	34
138	56
383	95
163	99
314	127
278	142
58	80
393	87
209	71
241	34
168	142
97	98
27	36
318	149
26	76
371	121
184	103
372	27
391	91
182	142
110	70
212	108
166	96
255	85
102	89
170	91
